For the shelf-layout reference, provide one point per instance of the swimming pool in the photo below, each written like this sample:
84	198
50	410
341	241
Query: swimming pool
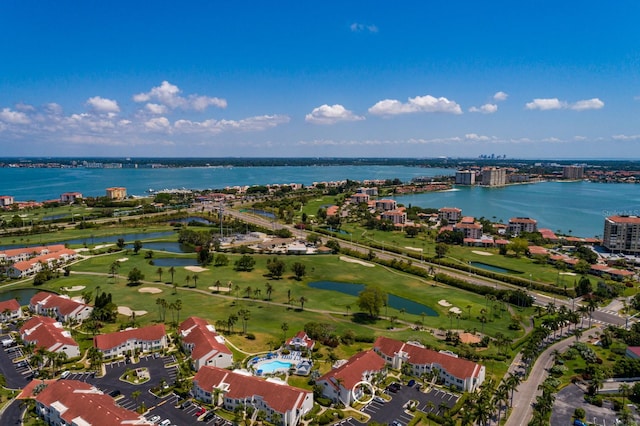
271	366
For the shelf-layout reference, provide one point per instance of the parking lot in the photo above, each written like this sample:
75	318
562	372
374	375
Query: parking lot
17	373
433	400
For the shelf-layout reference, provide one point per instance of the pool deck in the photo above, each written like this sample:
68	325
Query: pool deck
294	358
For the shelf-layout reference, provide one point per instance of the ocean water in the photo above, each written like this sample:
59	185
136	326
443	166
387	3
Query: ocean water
45	184
579	207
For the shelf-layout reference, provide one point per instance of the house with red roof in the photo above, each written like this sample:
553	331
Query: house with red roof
10	310
71	402
70	197
25	253
130	341
397	217
340	384
203	344
234	389
62	307
47	333
453	371
300	342
470	230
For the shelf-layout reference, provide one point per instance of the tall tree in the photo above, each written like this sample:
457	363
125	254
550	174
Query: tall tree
371	300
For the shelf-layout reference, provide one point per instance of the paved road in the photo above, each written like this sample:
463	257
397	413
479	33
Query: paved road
12	414
525	396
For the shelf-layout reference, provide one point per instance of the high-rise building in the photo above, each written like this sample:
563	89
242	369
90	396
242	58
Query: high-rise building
465	177
622	234
572	172
494	176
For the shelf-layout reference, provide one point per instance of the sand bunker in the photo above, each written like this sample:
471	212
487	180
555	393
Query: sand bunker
195	269
455	310
101	246
359	262
152	290
444	303
123	259
221	288
568	273
482	253
413	248
469	338
74	288
125	310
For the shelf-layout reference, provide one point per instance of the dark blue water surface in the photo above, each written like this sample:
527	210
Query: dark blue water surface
175	261
173	247
101	240
395	302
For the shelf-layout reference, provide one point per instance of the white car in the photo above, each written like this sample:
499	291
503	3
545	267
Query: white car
155	419
165	422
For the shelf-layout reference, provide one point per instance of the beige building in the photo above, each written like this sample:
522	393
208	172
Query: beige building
117	193
450	214
494	176
517	225
622	234
572	172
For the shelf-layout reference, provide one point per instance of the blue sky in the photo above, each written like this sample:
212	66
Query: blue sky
536	79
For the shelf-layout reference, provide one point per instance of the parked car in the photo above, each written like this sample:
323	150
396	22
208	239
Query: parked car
65	374
411	383
201	411
379	399
155	419
209	416
186	404
165	422
114	393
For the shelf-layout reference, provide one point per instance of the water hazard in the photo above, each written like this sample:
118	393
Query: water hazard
395	302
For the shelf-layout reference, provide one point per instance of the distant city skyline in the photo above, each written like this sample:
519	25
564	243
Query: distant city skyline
334	79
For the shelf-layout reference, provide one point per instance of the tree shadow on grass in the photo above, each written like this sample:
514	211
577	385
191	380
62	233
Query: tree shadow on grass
362	318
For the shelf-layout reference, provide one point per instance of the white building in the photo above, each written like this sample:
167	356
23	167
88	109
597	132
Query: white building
204	345
128	342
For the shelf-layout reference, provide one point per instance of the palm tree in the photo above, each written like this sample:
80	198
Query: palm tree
625	390
95	357
188	279
468	311
269	289
257	292
583	310
302	300
159	271
178	308
248	291
135	395
348	308
512	382
195	280
160	301
284	327
172	271
592	305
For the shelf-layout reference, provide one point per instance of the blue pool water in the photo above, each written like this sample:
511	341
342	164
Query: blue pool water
271	366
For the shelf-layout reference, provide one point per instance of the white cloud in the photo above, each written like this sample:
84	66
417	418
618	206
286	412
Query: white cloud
156	108
21	106
476	137
485	109
500	96
579	138
625	137
158	124
546	104
555	103
169	95
358	27
53	108
426	103
250	124
326	114
586	104
13	117
103	105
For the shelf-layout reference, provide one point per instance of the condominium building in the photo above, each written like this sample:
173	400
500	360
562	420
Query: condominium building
386	205
572	172
450	214
465	177
494	176
127	342
518	225
116	193
622	234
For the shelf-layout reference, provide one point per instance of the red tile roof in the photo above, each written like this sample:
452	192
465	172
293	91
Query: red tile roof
111	340
457	367
624	219
83	401
450	209
538	250
46	333
64	304
280	397
522	220
199	333
11	305
352	371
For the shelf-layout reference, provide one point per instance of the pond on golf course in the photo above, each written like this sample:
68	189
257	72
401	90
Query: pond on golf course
395	302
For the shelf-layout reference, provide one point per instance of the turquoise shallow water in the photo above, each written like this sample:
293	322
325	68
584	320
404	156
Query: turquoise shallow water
579	207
